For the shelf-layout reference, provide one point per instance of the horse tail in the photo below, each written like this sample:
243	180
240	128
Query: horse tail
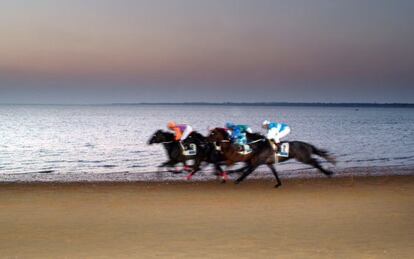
325	154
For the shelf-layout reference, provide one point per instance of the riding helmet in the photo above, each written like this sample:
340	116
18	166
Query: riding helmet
265	124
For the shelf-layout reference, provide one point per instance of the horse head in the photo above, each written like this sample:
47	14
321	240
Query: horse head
161	137
218	135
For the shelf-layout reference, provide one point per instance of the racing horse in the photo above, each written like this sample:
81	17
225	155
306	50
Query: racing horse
263	153
205	152
172	148
220	139
210	154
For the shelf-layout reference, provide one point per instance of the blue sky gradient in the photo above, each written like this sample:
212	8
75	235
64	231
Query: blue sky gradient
216	50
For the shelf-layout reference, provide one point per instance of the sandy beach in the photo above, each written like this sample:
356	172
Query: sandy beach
370	217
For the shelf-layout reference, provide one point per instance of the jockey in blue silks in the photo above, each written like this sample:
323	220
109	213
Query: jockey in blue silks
276	131
238	133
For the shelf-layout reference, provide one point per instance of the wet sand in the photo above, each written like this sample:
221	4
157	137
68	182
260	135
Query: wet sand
342	217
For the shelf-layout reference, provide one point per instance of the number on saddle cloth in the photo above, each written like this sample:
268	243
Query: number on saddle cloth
191	150
283	150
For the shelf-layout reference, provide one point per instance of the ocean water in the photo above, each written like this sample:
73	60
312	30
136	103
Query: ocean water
111	139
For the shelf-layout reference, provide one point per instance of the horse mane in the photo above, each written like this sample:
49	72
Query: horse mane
223	131
254	136
197	136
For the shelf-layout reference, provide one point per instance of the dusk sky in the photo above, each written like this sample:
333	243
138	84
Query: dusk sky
211	50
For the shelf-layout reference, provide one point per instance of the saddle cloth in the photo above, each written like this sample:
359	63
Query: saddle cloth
191	150
282	150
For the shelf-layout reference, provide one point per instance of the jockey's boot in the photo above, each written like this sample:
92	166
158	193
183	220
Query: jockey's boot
276	145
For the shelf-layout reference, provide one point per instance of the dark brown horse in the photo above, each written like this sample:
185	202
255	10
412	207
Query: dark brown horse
172	148
263	153
231	153
206	152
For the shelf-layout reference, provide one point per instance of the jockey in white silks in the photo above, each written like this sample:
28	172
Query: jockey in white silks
276	131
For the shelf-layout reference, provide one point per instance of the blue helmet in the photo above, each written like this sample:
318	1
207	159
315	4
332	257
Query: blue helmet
230	125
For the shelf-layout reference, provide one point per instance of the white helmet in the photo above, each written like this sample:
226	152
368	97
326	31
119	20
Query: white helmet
265	123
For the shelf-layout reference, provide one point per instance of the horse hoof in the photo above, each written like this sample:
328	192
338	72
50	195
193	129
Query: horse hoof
236	182
278	185
225	176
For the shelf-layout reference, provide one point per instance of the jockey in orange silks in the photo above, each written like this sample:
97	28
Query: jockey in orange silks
182	131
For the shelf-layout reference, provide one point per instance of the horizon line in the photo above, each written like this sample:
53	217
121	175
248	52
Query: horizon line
292	104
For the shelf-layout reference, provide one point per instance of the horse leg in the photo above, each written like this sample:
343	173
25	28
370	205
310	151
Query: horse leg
221	173
313	162
165	163
272	167
305	157
190	175
196	168
170	164
240	170
161	166
186	167
246	173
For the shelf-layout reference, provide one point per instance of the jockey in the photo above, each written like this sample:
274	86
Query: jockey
276	131
182	131
238	133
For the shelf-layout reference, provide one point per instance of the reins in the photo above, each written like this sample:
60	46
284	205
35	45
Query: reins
255	141
252	142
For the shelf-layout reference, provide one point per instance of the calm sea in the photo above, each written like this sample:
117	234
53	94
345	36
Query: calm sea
108	139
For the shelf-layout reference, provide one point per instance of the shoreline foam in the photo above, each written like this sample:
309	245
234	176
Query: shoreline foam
201	176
